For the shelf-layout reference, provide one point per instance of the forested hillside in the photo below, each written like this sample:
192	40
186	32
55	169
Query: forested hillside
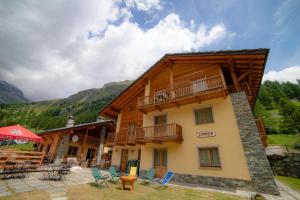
279	105
84	106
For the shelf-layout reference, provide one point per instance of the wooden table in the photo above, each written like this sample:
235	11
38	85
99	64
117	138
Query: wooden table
128	180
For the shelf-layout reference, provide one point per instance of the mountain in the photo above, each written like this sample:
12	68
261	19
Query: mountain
10	94
83	105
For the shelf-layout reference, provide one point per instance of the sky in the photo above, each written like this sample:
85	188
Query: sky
55	48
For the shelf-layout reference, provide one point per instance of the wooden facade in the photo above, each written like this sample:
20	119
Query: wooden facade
179	79
86	145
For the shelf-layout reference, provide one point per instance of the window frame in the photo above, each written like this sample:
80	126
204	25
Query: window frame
160	115
209	147
72	150
200	108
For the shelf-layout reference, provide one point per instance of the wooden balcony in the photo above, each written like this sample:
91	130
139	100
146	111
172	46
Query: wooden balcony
262	132
195	91
244	87
158	134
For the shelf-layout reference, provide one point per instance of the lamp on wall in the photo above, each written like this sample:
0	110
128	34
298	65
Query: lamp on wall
132	150
116	150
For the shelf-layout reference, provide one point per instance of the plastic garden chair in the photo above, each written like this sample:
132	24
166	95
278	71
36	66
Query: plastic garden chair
99	178
115	176
133	171
149	176
165	180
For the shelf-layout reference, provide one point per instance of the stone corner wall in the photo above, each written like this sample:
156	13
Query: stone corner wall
62	148
262	179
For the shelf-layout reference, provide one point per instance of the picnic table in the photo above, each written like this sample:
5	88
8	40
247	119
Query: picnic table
54	171
14	170
128	180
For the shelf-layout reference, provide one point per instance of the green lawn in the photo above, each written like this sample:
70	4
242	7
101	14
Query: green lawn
291	182
288	140
22	147
114	192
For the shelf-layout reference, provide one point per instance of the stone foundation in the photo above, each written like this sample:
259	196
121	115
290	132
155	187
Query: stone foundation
216	182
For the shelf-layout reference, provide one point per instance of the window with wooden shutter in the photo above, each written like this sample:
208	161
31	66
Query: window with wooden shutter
209	157
203	116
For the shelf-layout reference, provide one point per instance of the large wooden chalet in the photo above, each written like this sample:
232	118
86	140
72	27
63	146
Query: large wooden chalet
192	113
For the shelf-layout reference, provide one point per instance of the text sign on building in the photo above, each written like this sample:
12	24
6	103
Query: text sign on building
204	134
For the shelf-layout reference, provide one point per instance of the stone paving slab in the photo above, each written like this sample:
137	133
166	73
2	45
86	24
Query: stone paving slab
54	188
6	193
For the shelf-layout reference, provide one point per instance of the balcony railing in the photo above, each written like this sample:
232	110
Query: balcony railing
121	137
159	133
262	132
244	87
110	141
196	88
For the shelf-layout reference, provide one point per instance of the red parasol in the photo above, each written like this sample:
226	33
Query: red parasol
18	132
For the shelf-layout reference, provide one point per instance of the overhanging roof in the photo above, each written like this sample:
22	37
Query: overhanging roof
245	56
79	126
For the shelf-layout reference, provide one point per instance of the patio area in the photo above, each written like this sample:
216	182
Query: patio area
55	189
79	185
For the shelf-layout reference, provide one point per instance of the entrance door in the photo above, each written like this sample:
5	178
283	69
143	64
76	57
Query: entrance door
124	158
160	162
90	154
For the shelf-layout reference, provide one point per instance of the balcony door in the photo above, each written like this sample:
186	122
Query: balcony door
131	131
159	130
160	162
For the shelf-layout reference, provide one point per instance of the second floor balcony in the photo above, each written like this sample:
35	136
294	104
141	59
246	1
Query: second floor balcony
195	91
156	134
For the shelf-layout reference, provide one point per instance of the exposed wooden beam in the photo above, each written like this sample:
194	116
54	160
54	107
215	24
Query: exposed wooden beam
233	75
241	77
251	73
115	110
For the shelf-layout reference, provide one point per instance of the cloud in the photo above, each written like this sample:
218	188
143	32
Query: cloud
144	5
46	49
290	74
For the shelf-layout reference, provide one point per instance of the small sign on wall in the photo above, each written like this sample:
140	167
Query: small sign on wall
204	134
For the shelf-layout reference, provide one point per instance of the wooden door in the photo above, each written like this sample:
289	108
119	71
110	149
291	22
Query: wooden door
160	162
124	158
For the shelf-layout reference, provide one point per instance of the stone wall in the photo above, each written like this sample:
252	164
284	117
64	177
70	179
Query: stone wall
260	171
62	148
285	165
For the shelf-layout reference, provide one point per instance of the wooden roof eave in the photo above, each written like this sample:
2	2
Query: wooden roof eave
258	56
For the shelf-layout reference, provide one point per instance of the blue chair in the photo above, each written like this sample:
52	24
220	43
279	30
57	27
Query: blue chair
115	176
165	179
149	176
99	178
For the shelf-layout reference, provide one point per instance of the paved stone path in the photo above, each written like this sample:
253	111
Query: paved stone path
55	189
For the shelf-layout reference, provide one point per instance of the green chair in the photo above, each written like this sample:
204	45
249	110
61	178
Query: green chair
99	178
149	176
115	176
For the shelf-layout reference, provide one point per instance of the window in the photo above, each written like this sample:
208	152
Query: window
72	151
160	119
209	157
203	116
